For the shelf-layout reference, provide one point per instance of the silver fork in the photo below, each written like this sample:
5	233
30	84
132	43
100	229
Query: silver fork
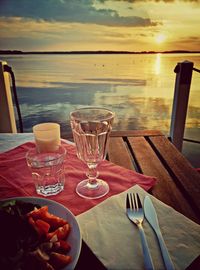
135	213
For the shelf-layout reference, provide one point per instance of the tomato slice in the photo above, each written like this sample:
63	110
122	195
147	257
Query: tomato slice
61	232
34	225
61	246
58	260
42	213
42	225
38	212
54	221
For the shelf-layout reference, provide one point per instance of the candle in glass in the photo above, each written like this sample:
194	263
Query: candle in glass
47	136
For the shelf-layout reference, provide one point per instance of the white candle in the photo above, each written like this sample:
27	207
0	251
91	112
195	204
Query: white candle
47	136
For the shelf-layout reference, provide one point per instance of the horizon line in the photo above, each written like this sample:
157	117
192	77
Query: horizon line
94	52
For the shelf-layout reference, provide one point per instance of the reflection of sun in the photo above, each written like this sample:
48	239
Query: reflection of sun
158	64
160	38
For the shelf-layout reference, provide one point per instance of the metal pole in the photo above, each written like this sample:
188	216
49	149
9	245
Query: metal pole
183	72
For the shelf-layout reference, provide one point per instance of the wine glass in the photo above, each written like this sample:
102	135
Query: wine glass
91	127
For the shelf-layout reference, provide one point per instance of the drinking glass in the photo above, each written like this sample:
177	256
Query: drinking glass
91	127
47	169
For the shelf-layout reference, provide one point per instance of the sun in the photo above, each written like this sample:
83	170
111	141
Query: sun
160	38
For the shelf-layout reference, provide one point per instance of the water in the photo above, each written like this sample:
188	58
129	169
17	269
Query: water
47	170
91	140
91	129
138	88
91	147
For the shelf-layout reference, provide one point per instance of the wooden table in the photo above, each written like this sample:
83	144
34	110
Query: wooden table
151	153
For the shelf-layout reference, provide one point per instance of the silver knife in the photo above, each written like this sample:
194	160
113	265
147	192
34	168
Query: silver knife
151	216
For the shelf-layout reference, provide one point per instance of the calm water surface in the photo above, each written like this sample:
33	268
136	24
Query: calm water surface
139	88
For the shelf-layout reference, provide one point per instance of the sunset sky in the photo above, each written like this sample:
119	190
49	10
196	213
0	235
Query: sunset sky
71	25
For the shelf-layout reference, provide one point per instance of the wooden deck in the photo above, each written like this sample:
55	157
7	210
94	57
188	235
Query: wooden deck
151	153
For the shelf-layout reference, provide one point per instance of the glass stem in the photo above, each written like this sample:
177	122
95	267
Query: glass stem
92	174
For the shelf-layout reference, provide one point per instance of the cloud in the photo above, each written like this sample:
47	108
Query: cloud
193	40
72	11
191	43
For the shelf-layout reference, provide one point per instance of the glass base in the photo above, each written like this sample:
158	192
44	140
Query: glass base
92	191
50	189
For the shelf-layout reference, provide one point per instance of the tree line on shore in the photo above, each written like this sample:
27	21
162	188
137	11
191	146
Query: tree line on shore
92	52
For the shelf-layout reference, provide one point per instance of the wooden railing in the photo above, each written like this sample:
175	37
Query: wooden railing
183	72
7	115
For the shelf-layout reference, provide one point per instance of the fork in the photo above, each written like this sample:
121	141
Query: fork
135	213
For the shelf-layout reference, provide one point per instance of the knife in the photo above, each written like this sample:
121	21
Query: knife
151	216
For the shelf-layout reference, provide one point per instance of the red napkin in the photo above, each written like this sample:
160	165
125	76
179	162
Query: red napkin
16	180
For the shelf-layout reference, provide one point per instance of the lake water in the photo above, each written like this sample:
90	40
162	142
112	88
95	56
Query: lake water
138	87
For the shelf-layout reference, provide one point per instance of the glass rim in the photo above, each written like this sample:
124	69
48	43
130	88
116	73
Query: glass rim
92	108
52	125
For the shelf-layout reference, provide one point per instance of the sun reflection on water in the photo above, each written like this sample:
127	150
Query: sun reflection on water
158	64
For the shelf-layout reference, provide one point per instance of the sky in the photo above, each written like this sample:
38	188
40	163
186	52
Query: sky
79	25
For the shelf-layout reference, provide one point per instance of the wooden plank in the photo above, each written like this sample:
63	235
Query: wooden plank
165	188
126	133
185	175
118	153
144	155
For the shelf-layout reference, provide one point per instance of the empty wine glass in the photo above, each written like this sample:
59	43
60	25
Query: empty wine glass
91	127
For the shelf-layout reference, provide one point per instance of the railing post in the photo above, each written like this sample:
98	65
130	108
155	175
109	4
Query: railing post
183	72
7	115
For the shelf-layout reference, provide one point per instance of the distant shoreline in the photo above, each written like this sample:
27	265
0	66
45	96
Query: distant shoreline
11	52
